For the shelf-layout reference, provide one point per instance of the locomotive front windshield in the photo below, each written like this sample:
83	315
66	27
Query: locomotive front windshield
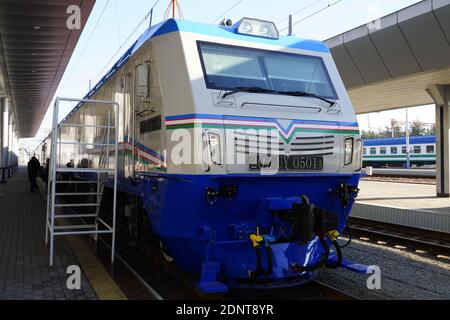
229	67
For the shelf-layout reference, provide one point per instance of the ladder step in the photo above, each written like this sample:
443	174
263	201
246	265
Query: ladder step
69	233
68	205
78	194
86	126
84	170
76	182
69	216
81	226
86	143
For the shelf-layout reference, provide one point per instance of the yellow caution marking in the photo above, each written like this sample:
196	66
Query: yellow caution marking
100	280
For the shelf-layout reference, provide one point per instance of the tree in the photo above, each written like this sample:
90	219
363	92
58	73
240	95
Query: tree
398	131
417	129
431	131
369	134
385	133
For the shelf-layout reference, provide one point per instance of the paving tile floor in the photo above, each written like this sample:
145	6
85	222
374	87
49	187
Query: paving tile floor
402	195
25	273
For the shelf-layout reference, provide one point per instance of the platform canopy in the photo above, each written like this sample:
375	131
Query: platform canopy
391	64
35	48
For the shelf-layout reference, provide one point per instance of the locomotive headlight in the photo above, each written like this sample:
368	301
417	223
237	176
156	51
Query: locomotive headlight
246	28
258	28
215	148
348	151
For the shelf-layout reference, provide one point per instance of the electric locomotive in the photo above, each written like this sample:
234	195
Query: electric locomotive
239	148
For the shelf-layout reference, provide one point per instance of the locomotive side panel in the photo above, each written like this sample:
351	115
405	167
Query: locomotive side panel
149	113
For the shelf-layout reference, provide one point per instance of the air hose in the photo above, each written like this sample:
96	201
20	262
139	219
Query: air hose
258	241
349	231
318	265
259	268
345	192
324	260
269	253
338	251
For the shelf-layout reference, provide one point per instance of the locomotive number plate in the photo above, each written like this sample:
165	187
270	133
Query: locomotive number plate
301	163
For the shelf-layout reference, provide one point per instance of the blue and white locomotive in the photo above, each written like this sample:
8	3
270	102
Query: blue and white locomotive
240	147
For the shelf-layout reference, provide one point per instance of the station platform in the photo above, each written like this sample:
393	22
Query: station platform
413	205
25	273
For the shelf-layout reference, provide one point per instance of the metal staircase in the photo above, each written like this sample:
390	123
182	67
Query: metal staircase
64	217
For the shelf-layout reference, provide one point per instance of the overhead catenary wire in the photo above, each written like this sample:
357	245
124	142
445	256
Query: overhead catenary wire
228	10
117	51
120	47
301	10
314	13
117	20
128	38
89	39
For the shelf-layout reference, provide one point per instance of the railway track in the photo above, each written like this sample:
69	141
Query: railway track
412	239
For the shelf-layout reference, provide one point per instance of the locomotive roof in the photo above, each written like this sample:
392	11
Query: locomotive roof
399	141
173	25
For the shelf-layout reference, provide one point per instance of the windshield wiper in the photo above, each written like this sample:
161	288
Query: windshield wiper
309	95
289	93
247	89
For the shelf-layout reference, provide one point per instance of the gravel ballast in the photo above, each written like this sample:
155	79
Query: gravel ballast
404	275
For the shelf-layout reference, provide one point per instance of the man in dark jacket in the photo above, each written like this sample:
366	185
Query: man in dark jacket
33	169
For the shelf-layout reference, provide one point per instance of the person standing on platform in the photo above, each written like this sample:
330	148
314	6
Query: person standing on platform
33	169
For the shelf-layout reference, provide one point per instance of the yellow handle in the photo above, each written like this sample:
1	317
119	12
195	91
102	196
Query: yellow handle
256	239
333	235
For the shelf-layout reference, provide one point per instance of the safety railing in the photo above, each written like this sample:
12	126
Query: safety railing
7	172
60	211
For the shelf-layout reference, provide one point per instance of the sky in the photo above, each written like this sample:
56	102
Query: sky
112	21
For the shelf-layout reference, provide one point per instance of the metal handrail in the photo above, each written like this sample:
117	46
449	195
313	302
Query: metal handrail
50	230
